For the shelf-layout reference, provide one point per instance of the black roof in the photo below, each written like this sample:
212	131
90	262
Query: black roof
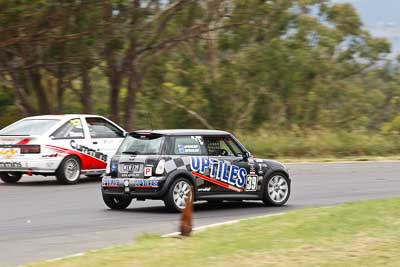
183	132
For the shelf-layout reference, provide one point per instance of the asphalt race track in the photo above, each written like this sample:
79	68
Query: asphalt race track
41	219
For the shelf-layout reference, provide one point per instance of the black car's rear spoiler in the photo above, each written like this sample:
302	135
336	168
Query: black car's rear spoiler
145	135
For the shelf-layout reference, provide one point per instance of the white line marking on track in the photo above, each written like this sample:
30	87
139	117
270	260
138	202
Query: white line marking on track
67	257
200	228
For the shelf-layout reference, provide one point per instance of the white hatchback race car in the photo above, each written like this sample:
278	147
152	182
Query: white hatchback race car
62	145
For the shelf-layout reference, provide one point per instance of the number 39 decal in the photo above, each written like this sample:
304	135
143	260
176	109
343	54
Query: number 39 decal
251	182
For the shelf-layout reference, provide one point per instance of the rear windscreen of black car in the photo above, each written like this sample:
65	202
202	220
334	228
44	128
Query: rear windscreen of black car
142	144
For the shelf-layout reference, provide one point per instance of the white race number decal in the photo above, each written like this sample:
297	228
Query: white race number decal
251	182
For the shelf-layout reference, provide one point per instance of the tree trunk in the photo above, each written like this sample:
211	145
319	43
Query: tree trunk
115	84
134	84
113	71
21	97
60	90
44	107
86	93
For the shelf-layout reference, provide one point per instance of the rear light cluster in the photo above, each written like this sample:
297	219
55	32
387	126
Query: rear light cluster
30	149
114	168
160	167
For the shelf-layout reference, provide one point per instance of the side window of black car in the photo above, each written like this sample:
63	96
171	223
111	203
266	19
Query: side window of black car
216	146
189	145
233	145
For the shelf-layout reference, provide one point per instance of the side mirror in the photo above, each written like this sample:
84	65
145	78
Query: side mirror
125	134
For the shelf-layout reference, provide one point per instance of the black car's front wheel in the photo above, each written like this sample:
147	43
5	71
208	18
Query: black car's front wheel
116	202
177	195
277	190
10	177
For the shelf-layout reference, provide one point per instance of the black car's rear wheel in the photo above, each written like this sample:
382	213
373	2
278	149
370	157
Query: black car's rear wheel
277	190
10	177
177	195
116	202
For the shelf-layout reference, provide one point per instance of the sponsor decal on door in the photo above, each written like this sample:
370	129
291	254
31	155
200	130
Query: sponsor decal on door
221	173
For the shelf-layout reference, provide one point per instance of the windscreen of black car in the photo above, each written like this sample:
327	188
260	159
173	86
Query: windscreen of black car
135	144
29	127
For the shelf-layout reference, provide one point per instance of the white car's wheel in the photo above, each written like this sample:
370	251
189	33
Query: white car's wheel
69	171
10	177
277	190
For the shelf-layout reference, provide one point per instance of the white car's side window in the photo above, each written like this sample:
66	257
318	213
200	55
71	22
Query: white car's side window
100	128
72	129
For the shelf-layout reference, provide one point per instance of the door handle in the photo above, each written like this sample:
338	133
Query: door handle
95	142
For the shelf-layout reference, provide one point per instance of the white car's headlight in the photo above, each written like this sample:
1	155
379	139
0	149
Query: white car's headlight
160	167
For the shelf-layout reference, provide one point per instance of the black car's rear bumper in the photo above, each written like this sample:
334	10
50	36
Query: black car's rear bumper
152	188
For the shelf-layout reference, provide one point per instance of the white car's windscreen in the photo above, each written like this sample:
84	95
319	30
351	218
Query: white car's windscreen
29	127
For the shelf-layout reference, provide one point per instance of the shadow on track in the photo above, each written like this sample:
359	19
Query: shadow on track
200	207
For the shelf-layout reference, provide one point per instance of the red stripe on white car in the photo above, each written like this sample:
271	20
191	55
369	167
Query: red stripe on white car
88	162
24	141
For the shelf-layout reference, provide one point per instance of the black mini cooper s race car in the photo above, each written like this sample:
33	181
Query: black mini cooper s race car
167	164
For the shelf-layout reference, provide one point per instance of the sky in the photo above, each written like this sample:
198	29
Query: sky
381	18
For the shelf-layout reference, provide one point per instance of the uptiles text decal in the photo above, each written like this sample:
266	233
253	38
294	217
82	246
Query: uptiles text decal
220	173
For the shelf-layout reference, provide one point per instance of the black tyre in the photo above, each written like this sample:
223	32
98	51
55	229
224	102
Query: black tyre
175	199
69	171
277	190
10	177
116	202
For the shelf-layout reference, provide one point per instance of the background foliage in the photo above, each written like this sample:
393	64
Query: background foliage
300	77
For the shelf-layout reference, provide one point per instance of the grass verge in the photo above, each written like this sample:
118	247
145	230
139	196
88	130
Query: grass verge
333	159
321	144
354	234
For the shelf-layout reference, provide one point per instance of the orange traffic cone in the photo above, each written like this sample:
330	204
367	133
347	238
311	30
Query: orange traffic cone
186	220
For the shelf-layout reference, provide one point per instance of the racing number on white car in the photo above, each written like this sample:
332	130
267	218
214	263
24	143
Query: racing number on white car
251	182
